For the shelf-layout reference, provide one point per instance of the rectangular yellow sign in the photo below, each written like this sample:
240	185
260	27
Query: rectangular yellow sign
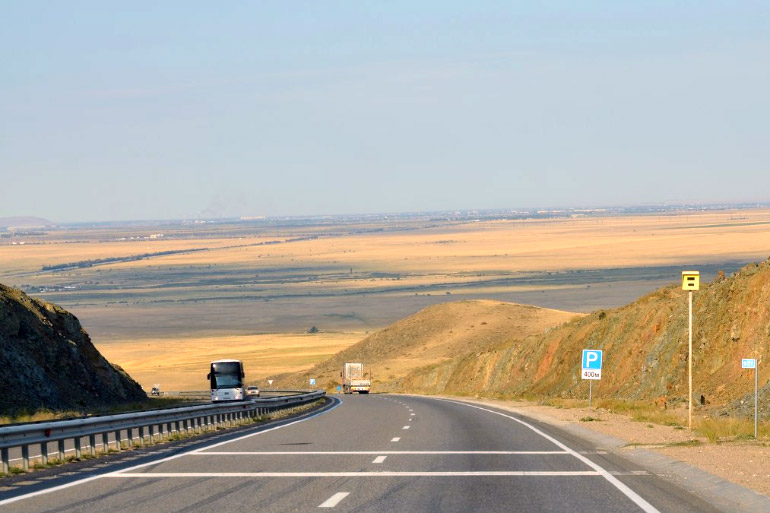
690	280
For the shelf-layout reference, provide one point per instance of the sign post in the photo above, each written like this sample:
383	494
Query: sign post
690	282
751	363
592	369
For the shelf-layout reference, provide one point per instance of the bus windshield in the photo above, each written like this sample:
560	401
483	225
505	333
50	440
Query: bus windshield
226	375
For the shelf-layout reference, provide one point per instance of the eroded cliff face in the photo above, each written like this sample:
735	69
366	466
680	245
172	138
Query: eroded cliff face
48	361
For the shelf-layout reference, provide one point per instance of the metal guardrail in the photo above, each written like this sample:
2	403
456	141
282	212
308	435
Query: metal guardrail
147	426
206	394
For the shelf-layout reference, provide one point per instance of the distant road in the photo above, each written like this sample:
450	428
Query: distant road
375	453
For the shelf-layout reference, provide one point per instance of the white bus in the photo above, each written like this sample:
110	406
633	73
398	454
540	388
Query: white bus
226	377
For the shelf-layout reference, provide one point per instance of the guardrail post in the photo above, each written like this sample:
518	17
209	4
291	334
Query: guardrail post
105	442
176	428
4	457
25	457
151	429
130	435
78	447
118	445
60	450
44	453
141	436
92	444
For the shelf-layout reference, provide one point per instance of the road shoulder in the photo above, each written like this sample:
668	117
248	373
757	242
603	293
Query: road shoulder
648	448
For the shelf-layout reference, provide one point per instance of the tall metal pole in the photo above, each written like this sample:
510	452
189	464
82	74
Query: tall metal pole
591	390
689	369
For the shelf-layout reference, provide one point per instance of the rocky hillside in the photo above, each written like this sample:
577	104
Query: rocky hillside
435	334
48	361
645	349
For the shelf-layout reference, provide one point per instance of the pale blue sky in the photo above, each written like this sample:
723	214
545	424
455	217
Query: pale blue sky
156	110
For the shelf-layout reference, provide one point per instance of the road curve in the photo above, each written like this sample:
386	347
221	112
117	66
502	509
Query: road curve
377	453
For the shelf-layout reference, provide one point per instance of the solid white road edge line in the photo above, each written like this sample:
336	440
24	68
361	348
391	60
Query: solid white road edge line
482	473
154	462
348	453
334	500
628	492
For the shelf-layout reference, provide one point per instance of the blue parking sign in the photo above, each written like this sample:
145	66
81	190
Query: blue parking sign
592	359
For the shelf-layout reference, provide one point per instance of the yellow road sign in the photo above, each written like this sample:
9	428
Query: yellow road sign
690	280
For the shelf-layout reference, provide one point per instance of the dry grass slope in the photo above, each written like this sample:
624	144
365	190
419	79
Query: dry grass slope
645	350
435	334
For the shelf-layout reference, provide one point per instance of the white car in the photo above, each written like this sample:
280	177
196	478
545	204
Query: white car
253	390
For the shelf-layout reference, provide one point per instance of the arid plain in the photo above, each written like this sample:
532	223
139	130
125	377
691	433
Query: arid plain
162	300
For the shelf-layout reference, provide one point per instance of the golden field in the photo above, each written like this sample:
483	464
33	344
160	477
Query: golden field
238	285
183	364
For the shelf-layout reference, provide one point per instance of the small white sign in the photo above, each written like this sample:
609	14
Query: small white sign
312	382
592	374
749	363
269	381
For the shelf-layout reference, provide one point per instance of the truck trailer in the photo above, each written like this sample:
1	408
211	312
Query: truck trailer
354	379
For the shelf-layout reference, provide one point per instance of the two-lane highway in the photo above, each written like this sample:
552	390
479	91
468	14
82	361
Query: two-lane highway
379	453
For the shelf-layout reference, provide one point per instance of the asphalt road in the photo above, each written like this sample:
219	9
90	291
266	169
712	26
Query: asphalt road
374	453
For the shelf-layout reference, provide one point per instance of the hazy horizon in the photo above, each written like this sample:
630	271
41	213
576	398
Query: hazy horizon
481	212
191	110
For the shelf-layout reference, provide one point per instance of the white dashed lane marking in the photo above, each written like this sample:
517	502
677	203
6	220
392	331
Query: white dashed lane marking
396	439
334	500
379	459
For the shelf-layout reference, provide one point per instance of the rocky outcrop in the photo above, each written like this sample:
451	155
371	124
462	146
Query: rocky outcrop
47	360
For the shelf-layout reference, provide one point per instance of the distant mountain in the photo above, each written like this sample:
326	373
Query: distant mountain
24	222
47	361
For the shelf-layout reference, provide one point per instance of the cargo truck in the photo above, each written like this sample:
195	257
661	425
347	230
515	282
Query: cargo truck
354	379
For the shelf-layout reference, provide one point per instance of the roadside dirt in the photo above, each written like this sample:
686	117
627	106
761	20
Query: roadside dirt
746	463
